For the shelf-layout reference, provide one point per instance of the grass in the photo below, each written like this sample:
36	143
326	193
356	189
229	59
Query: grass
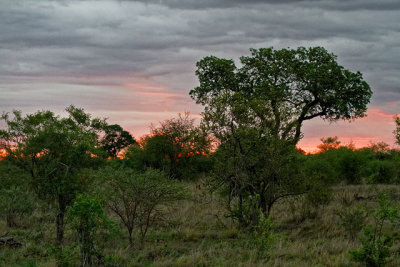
196	233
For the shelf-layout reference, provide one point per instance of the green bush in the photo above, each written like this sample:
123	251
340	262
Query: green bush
352	165
247	214
383	172
87	217
377	241
321	167
265	237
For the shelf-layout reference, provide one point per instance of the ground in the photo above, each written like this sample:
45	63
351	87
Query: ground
197	233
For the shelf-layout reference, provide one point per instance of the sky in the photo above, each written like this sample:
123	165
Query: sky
134	61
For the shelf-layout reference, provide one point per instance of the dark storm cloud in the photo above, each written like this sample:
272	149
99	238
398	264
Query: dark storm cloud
99	46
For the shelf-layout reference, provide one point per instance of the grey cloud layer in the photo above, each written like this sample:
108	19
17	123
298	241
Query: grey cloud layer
108	43
338	4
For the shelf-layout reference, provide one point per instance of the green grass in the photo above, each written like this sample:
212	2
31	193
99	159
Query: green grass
197	233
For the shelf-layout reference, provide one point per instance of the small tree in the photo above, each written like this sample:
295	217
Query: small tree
265	237
139	199
87	217
378	241
256	175
55	151
116	139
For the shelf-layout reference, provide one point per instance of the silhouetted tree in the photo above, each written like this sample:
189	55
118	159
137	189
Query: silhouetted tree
329	143
116	139
174	144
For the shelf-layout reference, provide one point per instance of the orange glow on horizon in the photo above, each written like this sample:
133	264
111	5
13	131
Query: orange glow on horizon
376	127
312	148
3	154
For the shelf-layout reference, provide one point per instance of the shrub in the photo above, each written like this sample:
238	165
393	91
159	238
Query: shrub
352	165
382	172
87	217
376	242
322	167
265	237
137	198
248	213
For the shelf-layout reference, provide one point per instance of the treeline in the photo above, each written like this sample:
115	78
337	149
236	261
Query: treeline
375	164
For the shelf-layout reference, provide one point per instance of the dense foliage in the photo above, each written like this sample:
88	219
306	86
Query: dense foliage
256	112
55	151
177	147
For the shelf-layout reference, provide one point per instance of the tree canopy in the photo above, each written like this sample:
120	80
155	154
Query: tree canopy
329	143
277	90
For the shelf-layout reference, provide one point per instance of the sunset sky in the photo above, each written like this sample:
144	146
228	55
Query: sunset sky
134	61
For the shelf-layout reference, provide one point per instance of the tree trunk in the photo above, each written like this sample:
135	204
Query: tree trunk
269	209
241	220
263	204
130	237
10	219
60	226
62	208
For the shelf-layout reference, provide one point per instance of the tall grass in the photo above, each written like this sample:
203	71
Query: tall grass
197	233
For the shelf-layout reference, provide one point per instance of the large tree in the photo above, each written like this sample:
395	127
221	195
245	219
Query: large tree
256	112
55	151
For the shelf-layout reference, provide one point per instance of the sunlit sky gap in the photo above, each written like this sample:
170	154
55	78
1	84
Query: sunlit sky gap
134	61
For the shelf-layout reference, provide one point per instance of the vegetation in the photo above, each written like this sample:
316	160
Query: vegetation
378	241
15	198
115	139
86	216
233	191
140	199
55	151
256	113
